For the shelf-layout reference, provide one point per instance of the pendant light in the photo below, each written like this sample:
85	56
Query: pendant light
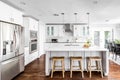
88	23
75	17
62	17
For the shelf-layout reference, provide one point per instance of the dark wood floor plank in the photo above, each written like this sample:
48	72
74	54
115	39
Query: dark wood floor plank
36	71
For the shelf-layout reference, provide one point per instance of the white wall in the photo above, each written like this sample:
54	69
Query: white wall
117	31
41	38
101	28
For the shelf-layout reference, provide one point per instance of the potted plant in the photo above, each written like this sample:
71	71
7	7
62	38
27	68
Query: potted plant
117	42
87	44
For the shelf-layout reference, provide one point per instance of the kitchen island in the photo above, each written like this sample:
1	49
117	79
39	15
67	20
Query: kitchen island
75	50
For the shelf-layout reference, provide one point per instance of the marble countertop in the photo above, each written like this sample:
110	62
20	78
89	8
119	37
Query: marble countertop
75	48
64	42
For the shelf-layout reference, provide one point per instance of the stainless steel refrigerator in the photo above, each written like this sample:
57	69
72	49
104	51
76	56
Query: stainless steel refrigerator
11	50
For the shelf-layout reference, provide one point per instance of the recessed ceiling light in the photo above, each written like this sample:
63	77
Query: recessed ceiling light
23	3
87	13
55	14
75	13
106	20
62	13
95	2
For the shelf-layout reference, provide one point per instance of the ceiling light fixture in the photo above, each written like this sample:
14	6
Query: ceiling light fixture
23	3
63	17
75	17
96	1
55	14
88	23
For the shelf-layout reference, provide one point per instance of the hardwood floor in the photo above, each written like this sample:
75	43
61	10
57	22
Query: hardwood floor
36	71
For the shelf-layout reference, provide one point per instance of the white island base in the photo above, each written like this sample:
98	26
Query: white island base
75	51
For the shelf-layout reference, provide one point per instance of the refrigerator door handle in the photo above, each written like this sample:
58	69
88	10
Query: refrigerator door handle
16	39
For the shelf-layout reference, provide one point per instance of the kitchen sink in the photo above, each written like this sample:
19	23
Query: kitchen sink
71	45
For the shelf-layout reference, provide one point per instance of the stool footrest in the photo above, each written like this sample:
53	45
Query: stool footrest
75	66
58	70
95	70
76	70
58	66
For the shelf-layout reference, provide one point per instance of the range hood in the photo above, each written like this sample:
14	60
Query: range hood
68	28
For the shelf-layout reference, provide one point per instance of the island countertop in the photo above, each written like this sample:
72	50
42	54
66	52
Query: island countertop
74	48
68	50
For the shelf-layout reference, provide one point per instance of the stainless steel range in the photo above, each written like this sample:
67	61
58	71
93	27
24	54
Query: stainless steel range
11	50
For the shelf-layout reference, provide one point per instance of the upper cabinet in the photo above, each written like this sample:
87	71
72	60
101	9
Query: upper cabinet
10	14
80	30
31	23
63	30
54	30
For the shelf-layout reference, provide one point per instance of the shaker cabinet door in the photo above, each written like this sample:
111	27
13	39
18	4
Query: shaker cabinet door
10	14
54	30
80	30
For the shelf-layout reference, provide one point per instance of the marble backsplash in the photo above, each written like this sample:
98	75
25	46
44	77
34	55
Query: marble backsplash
67	39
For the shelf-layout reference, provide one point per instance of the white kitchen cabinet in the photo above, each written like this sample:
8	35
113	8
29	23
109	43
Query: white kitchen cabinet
4	12
16	16
61	30
80	30
10	14
30	57
27	58
54	30
31	23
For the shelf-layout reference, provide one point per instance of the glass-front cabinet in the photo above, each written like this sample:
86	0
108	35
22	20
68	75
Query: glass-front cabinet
63	30
54	30
81	30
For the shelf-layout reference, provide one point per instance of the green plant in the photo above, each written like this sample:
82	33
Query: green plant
117	41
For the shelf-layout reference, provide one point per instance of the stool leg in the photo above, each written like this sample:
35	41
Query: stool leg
90	68
87	65
97	65
81	69
63	68
53	66
70	68
101	69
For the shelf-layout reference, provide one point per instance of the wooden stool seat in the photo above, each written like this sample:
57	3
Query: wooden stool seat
76	58
79	59
54	60
98	66
57	58
94	58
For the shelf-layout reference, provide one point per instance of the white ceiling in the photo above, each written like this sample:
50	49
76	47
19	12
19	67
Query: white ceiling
100	10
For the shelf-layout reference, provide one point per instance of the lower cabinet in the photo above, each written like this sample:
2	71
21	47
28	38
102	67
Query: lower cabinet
29	57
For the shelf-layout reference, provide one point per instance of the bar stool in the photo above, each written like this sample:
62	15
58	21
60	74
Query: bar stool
98	65
79	59
55	59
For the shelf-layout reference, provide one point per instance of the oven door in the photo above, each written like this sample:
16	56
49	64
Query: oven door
33	46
